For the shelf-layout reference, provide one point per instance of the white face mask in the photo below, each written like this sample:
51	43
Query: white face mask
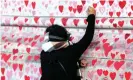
47	47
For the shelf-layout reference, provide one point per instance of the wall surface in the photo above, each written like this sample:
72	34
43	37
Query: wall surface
23	22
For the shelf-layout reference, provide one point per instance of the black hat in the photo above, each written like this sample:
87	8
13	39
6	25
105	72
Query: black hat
57	33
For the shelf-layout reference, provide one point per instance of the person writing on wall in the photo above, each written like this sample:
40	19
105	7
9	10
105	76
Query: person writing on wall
59	56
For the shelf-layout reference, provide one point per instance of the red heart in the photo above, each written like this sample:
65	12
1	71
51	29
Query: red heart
118	13
109	63
111	2
131	22
127	35
36	19
121	23
116	39
105	72
27	77
52	20
15	66
41	39
61	7
14	57
2	77
36	37
115	25
74	10
79	8
21	57
28	50
112	55
30	39
97	21
19	39
3	37
15	51
5	46
107	48
3	70
94	61
94	5
122	56
40	70
20	28
102	2
15	17
129	14
26	39
97	48
26	20
112	75
127	75
111	20
103	20
104	40
122	4
26	2
20	67
99	72
70	8
6	57
75	21
111	14
129	41
29	58
132	7
85	21
33	43
83	2
64	21
101	34
33	5
19	9
36	57
118	65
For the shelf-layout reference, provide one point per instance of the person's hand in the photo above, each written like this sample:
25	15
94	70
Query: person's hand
91	10
83	63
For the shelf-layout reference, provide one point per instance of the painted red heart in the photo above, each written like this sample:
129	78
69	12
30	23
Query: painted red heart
97	48
99	72
33	5
64	21
29	58
15	66
79	8
102	2
61	7
76	21
30	39
129	14
109	63
122	56
103	20
104	40
28	50
41	39
20	28
26	39
122	4
36	57
127	35
97	21
27	77
118	14
105	72
19	39
36	19
111	20
15	51
70	8
36	37
85	21
94	61
74	10
111	2
40	70
127	75
94	5
26	2
6	57
19	9
2	71
114	25
33	43
14	57
111	13
129	41
101	34
116	39
132	7
112	75
118	65
112	55
2	77
20	67
83	2
26	20
131	22
121	23
5	46
3	37
107	48
52	20
15	17
21	56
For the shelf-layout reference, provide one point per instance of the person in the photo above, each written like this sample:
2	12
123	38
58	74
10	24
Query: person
59	56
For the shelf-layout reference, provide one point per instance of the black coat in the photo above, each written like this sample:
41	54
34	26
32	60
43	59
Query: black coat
68	57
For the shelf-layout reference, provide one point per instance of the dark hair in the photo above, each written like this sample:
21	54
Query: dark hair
57	33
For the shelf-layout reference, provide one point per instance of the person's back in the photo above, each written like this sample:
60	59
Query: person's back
61	63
